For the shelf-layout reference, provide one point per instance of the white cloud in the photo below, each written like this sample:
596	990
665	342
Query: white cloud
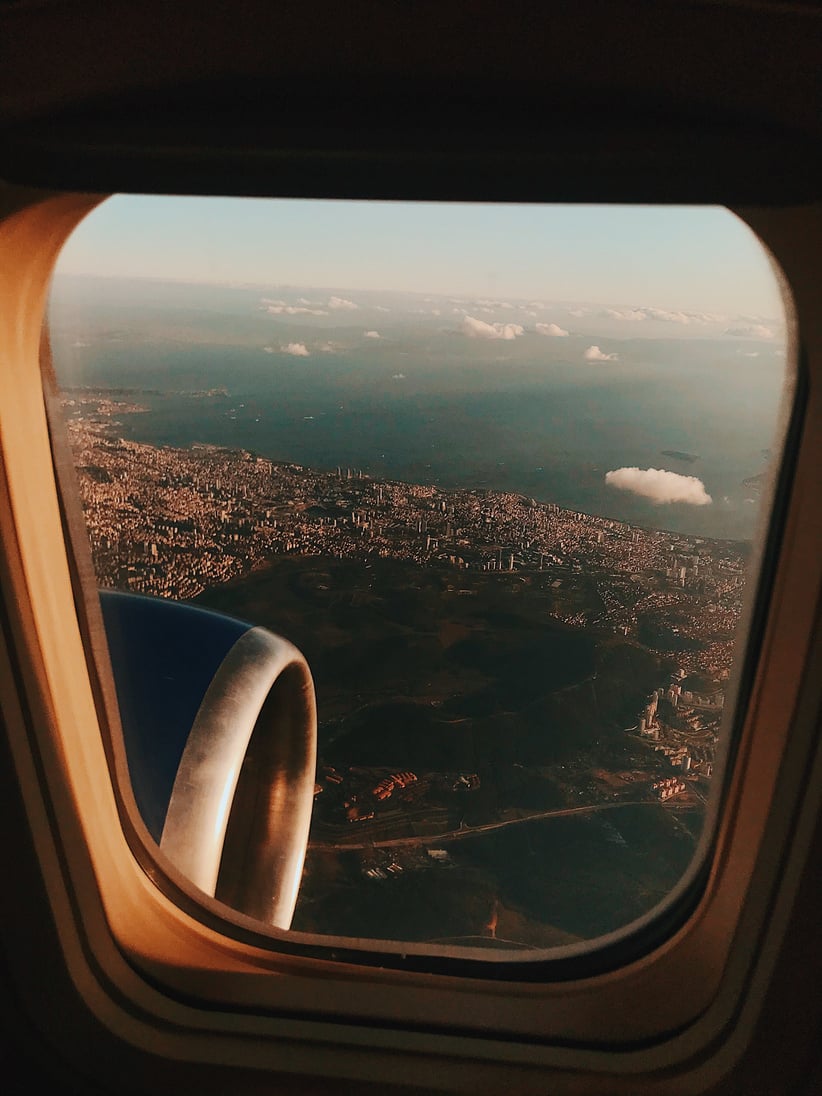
594	354
751	331
373	335
659	486
671	317
551	329
662	315
632	315
381	308
399	376
294	310
479	329
339	304
299	350
578	313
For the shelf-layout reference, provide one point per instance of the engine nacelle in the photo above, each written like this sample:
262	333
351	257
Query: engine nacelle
220	729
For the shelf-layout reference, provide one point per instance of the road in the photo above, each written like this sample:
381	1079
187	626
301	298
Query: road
472	831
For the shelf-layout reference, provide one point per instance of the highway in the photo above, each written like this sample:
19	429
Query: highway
472	831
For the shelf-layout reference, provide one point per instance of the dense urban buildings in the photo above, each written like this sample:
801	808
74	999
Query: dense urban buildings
660	611
173	522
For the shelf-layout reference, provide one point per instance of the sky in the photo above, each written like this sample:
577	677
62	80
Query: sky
701	259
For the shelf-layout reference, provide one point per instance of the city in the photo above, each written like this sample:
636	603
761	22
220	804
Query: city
396	793
173	522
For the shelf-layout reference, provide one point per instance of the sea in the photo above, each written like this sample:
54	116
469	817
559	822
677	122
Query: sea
417	400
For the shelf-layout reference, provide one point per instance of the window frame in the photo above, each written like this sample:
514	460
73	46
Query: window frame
590	957
148	970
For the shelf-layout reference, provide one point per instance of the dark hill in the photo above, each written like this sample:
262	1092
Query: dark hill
540	726
410	673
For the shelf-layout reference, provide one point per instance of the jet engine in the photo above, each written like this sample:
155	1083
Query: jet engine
220	731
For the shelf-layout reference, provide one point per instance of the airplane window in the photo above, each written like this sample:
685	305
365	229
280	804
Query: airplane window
502	475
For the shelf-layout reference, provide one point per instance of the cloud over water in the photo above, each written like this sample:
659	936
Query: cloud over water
659	485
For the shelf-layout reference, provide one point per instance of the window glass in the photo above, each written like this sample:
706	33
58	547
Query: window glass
499	472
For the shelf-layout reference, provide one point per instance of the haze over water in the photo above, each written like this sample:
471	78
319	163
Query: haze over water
418	399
